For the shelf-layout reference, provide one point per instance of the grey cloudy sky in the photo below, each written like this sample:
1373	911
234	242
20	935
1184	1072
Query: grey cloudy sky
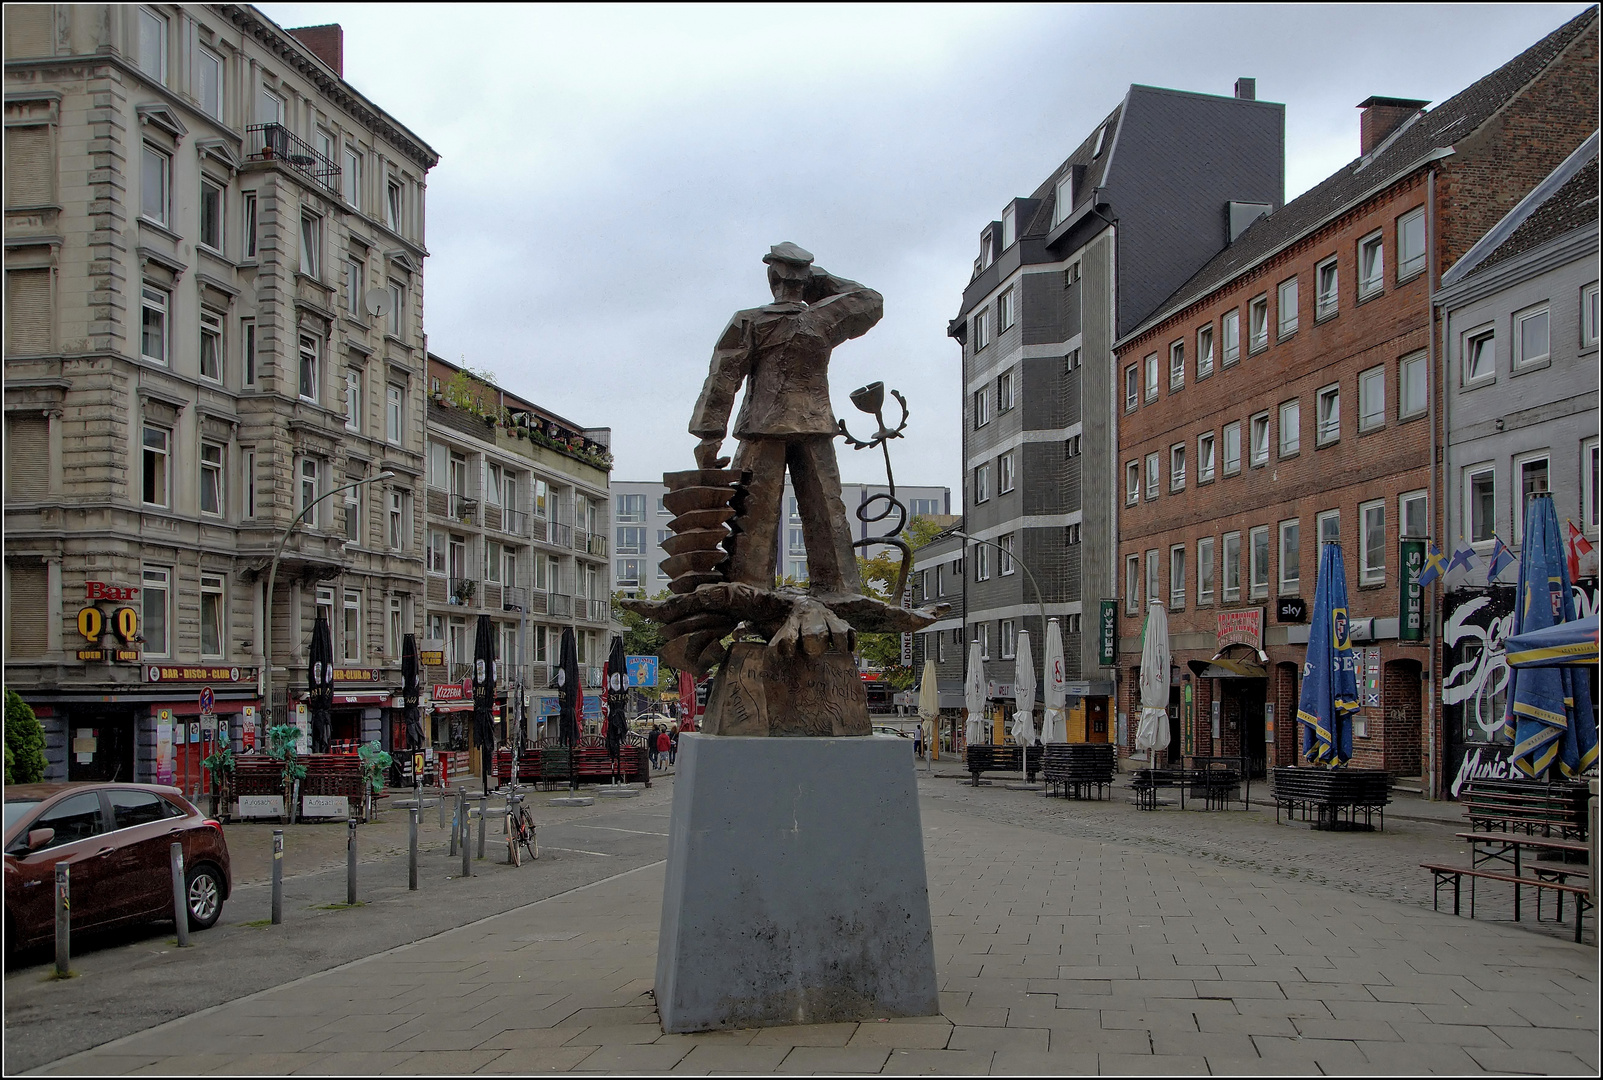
610	177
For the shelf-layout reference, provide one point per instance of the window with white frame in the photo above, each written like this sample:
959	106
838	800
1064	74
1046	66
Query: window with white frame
156	471
397	627
1231	342
1063	204
153	44
351	626
1177	467
1329	525
1005	385
1071	362
1009	638
309	367
982	562
632	540
269	106
1132	584
1259	434
1371	398
211	346
355	284
1132	387
1010	231
1005	544
392	205
396	325
155	191
1589	486
1480	502
1232	448
1413	514
1327	415
1154	584
1151	364
211	215
982	406
492	561
982	634
1205	457
213	465
1531	336
1290	427
1258	323
1153	475
1205	351
247	351
351	177
1177	365
1071	533
1371	265
1005	472
1286	307
795	540
311	474
154	610
394	413
1205	570
353	399
1410	244
1073	446
1372	542
1132	482
1071	623
434	556
248	474
1290	557
395	519
355	500
311	245
982	483
1479	355
1589	316
1177	576
154	305
212	620
1532	471
982	333
1007	309
1259	559
248	222
1413	386
1327	283
1232	567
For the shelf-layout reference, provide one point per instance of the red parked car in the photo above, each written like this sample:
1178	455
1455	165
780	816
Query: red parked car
117	839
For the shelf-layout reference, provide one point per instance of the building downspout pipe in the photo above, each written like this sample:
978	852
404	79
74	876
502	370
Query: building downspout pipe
1432	762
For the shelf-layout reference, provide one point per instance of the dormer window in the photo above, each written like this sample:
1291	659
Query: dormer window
1009	227
1101	140
985	249
1065	198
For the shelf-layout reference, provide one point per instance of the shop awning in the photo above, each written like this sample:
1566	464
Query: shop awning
371	697
1221	668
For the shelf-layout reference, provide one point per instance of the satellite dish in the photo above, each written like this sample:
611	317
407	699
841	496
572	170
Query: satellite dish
377	303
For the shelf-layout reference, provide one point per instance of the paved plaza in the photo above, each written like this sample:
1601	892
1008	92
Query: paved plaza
1070	938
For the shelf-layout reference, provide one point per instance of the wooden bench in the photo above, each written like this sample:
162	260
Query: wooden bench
1444	874
1533	807
1080	768
1331	794
984	757
586	763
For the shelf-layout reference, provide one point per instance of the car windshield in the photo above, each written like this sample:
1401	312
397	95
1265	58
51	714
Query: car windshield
17	810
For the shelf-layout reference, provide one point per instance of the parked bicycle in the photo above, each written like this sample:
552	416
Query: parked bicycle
520	835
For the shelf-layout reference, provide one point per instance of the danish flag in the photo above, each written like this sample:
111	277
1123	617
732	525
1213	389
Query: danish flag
1578	545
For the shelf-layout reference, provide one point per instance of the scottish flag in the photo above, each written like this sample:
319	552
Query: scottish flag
1549	711
1329	694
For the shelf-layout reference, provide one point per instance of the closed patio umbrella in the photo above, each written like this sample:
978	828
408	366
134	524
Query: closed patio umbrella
1152	733
568	690
1329	694
1549	710
929	709
411	692
1572	642
1054	727
616	705
320	684
1023	701
974	696
484	674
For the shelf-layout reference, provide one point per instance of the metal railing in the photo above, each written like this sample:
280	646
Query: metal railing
581	540
514	598
598	544
599	610
515	522
560	533
275	142
463	508
559	604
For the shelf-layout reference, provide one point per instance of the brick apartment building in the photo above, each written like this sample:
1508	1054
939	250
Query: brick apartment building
1282	397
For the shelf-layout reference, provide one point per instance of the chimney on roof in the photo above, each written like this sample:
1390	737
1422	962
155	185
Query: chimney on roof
326	42
1247	89
1382	116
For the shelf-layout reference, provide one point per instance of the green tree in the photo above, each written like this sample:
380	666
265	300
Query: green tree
25	742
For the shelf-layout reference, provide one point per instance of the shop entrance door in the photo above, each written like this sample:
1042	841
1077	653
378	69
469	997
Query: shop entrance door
1096	719
1253	746
100	747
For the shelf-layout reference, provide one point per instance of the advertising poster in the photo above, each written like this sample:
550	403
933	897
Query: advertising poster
166	756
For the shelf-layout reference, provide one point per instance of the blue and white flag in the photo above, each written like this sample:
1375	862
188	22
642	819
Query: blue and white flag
1463	555
1502	558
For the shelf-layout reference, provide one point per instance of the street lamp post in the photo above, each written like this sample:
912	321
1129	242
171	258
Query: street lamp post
1039	603
267	602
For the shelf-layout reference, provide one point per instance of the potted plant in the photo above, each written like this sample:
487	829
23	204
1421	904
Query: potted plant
220	764
374	764
281	741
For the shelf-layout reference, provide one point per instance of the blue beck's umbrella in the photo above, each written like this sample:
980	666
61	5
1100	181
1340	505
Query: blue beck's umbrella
1329	676
1564	643
1549	711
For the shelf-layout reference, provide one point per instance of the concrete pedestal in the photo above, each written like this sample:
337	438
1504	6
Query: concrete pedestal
795	891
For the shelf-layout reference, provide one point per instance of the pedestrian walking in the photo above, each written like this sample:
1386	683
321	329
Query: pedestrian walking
651	745
673	746
663	744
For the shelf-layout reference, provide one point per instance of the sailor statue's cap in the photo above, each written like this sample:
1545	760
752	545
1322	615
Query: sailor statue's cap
788	253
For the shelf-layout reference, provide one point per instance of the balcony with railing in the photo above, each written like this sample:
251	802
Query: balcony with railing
514	598
560	533
581	540
559	605
515	522
463	590
277	143
598	544
464	508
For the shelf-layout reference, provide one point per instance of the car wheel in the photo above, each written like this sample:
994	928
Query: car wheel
204	894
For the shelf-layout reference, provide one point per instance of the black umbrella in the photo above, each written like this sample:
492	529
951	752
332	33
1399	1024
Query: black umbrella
411	692
320	683
617	704
484	694
568	690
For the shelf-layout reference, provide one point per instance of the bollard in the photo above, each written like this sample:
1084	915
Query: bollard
350	862
462	816
442	810
483	799
180	908
411	852
278	876
456	825
63	921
